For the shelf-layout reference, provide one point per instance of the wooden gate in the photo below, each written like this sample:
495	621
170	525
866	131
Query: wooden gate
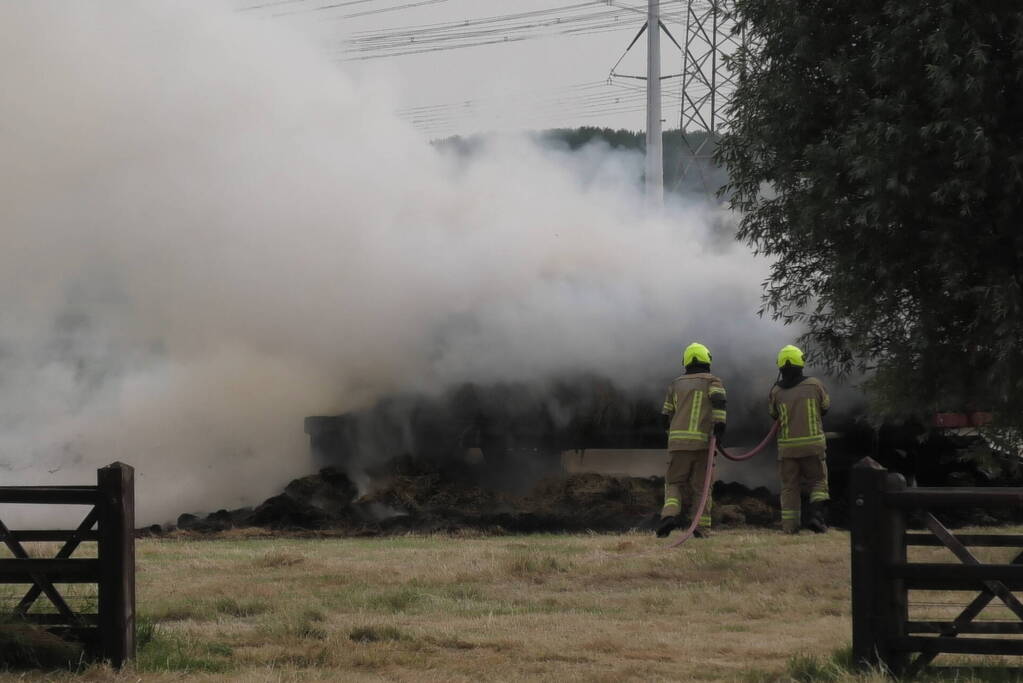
109	633
886	632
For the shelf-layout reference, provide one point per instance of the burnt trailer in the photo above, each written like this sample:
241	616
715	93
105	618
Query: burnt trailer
501	425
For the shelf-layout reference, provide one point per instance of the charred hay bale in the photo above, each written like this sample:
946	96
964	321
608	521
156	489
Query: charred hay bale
734	492
469	499
649	522
587	488
429	492
648	492
221	520
399	492
285	512
186	521
728	515
756	507
329	490
582	489
758	513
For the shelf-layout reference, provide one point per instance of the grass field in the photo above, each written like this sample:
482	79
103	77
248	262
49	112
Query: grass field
742	605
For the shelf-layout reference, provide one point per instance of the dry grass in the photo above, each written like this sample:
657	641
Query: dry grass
743	605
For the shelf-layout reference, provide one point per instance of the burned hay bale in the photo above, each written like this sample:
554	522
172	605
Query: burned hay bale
329	490
431	497
285	512
318	501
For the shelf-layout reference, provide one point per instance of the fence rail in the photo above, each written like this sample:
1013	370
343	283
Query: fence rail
882	576
110	523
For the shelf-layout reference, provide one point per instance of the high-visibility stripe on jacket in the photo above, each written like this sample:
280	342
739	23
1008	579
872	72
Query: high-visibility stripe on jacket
798	410
694	402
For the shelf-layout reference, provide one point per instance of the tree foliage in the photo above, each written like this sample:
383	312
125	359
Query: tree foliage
703	174
876	155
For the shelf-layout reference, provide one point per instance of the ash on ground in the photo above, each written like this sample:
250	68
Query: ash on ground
424	497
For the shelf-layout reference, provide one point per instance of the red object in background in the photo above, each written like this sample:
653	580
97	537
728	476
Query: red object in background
979	419
951	420
962	420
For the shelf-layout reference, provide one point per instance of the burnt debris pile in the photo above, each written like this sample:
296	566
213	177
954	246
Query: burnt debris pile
318	501
492	459
411	495
486	458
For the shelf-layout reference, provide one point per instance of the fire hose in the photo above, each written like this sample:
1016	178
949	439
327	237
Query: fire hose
712	450
759	447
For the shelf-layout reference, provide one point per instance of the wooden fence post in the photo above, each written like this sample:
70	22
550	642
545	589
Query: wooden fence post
866	496
117	559
893	596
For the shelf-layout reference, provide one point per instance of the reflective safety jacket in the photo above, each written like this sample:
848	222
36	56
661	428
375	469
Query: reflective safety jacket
694	403
798	410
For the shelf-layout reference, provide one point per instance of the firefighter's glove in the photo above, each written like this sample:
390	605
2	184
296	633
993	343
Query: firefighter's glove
719	430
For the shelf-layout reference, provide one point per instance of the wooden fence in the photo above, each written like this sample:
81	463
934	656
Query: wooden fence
110	632
884	634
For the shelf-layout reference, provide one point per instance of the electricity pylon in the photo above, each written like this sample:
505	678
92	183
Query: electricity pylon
707	82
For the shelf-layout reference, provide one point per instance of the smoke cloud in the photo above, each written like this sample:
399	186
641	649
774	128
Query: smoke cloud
210	232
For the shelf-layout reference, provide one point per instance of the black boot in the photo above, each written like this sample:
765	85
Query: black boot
668	524
818	520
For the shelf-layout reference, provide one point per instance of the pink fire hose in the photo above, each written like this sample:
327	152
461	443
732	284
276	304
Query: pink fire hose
708	477
761	446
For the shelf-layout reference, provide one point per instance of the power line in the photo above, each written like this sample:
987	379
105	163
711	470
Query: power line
413	45
579	101
278	3
576	19
570	19
395	8
581	94
364	13
488	20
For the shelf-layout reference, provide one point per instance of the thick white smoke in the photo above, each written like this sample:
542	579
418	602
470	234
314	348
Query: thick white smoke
210	232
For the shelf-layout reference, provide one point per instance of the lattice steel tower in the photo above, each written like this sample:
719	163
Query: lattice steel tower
707	83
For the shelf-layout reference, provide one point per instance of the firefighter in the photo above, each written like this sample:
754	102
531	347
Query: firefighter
798	403
693	408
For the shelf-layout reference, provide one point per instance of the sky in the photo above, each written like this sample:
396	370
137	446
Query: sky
555	81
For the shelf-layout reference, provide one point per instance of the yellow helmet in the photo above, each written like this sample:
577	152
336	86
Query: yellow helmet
696	352
790	354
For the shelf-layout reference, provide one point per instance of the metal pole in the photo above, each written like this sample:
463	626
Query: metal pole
715	45
654	149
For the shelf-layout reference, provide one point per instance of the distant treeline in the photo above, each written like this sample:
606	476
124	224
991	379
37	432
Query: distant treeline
683	170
